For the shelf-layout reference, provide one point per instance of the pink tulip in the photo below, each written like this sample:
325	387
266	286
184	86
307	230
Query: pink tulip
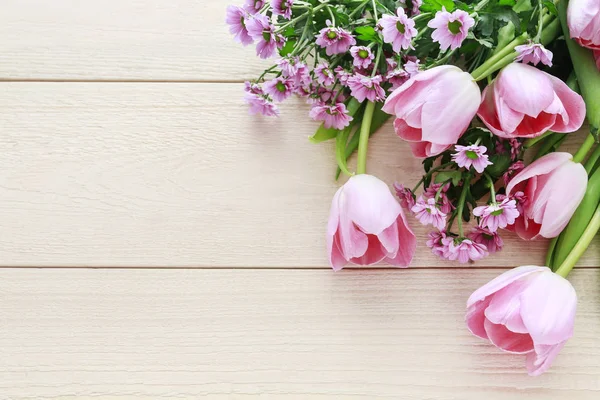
367	225
550	189
583	18
527	310
526	102
434	108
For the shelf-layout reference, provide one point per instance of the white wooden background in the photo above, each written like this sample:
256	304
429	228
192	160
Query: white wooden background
125	146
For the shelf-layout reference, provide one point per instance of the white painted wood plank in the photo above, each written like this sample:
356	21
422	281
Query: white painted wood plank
276	334
121	40
177	175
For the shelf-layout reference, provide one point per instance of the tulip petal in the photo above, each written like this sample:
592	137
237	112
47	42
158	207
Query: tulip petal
548	307
524	88
475	318
517	343
541	359
373	254
566	190
541	166
573	105
407	244
502	281
505	306
487	111
407	132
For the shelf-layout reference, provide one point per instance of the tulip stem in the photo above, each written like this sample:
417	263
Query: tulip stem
591	161
584	149
581	246
363	141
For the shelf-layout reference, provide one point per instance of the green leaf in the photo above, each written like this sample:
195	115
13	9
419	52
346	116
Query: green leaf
436	5
522	5
287	48
500	163
507	2
340	151
506	34
289	32
444	176
366	33
428	164
550	6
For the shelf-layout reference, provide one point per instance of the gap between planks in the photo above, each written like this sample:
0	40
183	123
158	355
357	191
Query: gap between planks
294	268
175	81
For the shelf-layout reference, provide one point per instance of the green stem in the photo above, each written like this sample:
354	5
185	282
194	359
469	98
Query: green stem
591	162
377	59
461	205
550	142
584	149
550	254
431	171
540	21
499	55
533	141
581	246
358	8
363	141
492	188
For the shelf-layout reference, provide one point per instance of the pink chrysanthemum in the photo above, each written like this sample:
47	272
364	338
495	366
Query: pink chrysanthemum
254	6
282	7
491	240
497	215
464	251
436	243
405	195
514	169
412	67
427	212
534	53
396	76
236	19
443	202
342	75
473	155
261	30
362	56
334	40
319	94
333	116
450	28
399	30
279	88
416	4
259	102
324	74
296	70
365	87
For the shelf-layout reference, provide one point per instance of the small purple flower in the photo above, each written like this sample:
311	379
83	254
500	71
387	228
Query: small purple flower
342	75
236	19
512	171
260	29
412	67
295	69
364	87
436	243
324	74
416	4
450	28
491	240
406	196
333	116
259	102
362	55
282	7
279	88
427	212
464	251
497	215
334	40
443	202
253	6
399	30
397	77
473	155
534	53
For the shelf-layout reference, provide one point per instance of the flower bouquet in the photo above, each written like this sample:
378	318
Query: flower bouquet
484	92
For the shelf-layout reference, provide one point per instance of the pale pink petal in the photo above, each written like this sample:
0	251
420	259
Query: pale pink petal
541	359
502	281
573	104
505	307
517	343
524	88
541	166
475	318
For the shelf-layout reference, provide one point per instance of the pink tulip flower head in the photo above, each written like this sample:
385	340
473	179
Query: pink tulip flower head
282	7
527	310
333	116
552	187
335	40
451	29
526	102
497	215
236	19
583	19
261	30
471	156
428	213
491	240
367	225
434	108
399	30
534	53
362	56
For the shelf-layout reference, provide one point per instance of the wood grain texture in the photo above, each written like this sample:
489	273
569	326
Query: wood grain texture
277	334
177	175
122	40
